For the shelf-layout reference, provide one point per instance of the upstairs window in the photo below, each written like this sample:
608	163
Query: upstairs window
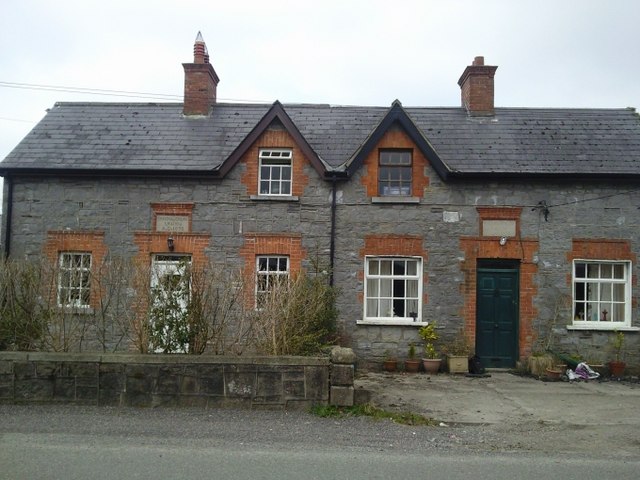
270	271
394	173
275	172
74	280
601	294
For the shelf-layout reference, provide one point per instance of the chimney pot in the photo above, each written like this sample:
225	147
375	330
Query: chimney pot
200	81
478	61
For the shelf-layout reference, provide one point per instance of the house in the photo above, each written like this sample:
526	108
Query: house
505	225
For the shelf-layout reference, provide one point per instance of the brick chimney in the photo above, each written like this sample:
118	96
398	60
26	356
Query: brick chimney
200	81
476	85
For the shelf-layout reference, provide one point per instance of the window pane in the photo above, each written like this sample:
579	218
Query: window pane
606	270
412	267
580	270
264	187
385	267
373	267
619	292
618	271
386	309
372	308
372	287
398	267
593	270
286	173
286	188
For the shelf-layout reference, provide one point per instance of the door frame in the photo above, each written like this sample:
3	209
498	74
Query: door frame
504	266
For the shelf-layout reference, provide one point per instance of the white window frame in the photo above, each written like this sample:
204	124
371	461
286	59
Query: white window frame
74	280
598	291
272	159
376	301
269	274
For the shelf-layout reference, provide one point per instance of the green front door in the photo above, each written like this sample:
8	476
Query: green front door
497	316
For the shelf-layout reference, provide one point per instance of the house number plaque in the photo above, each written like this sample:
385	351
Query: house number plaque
172	223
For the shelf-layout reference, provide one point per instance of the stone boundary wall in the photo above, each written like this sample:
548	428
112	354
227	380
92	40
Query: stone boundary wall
169	380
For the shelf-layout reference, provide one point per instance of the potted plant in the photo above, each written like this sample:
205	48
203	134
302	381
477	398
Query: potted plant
617	366
412	364
390	362
457	352
431	360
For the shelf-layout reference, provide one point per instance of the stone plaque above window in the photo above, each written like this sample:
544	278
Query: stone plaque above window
498	228
172	223
172	217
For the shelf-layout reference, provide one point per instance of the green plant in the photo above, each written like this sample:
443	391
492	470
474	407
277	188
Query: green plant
430	336
617	345
412	351
459	346
368	410
388	356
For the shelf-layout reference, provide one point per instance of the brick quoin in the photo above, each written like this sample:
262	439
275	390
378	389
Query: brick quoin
396	137
255	244
80	242
273	138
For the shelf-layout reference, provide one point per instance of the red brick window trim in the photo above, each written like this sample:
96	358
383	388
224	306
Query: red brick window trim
393	280
181	211
395	139
75	244
269	245
601	281
274	140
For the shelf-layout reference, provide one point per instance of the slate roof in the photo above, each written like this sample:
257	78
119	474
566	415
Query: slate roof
157	138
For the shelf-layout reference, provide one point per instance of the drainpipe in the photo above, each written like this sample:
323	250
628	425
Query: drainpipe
7	223
332	247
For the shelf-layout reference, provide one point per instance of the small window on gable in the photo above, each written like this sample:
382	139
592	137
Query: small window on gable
74	279
394	173
276	167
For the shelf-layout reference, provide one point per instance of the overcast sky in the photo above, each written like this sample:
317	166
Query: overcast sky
550	53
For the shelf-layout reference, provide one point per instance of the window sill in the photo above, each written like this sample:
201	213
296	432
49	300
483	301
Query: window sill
392	323
276	198
604	328
394	199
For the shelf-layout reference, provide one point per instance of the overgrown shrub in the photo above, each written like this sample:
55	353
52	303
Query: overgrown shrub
297	317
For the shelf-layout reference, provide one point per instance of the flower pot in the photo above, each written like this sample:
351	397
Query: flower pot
457	364
390	365
431	365
616	368
553	373
411	366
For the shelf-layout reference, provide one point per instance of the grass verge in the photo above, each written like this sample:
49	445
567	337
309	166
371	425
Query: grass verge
368	410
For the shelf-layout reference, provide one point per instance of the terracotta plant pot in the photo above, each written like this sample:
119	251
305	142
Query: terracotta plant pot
553	373
431	365
411	366
390	365
616	368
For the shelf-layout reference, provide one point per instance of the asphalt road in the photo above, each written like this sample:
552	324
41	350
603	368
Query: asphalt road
63	442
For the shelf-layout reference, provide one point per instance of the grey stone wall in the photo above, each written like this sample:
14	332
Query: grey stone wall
596	209
165	380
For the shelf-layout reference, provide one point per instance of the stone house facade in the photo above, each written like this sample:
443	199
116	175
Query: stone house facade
500	224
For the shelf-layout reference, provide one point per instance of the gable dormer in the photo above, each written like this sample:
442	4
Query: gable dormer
274	154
